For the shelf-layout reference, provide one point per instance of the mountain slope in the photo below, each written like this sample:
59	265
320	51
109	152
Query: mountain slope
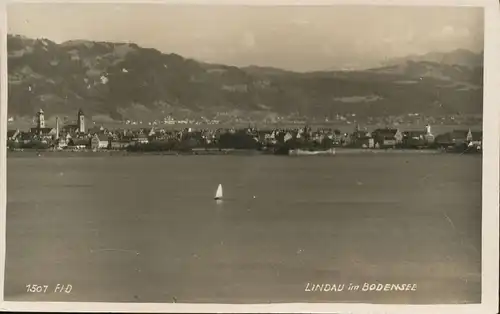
125	81
460	57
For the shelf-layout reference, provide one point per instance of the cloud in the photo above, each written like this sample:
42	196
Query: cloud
450	32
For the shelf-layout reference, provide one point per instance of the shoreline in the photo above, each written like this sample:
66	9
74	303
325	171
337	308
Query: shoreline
357	151
224	152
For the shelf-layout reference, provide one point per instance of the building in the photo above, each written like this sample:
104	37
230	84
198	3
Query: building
428	134
475	138
78	128
13	135
361	138
415	139
418	138
140	139
99	141
78	143
97	130
81	121
387	137
460	137
119	144
63	141
444	140
42	132
288	136
70	129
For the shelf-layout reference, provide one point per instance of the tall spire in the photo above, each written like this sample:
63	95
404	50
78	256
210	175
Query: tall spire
57	128
81	121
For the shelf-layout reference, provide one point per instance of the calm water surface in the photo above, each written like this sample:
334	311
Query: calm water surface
146	228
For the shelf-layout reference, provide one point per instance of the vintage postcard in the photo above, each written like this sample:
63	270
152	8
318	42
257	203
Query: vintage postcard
333	156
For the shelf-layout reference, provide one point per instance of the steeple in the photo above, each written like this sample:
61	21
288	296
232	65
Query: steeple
57	128
428	134
81	121
428	129
40	119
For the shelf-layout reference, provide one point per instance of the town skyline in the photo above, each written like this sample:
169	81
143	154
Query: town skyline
278	139
245	35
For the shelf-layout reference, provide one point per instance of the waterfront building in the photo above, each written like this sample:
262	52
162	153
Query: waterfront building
99	141
429	137
12	135
79	128
476	138
78	143
41	131
387	137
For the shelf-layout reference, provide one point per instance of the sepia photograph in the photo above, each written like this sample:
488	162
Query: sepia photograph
245	154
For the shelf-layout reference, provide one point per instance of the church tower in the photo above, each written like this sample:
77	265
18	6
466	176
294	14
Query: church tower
429	137
40	120
81	121
428	129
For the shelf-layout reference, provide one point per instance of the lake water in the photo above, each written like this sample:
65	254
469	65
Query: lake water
146	228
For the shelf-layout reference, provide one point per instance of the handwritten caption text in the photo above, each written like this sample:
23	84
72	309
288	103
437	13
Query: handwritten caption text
59	288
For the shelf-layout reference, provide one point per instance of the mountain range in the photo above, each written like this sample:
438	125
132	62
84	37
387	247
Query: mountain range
124	81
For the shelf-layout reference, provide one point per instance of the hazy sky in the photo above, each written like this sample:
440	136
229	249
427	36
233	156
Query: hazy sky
296	38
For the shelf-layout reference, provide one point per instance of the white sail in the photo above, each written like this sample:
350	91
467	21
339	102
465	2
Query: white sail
218	194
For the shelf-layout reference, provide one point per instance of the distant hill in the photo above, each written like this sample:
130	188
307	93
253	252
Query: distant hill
125	81
458	57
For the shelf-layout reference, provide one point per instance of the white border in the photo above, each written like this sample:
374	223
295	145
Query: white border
490	196
3	139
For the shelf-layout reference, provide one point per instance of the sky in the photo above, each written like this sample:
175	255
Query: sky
299	38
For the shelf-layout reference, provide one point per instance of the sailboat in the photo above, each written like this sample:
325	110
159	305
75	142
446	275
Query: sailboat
218	193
